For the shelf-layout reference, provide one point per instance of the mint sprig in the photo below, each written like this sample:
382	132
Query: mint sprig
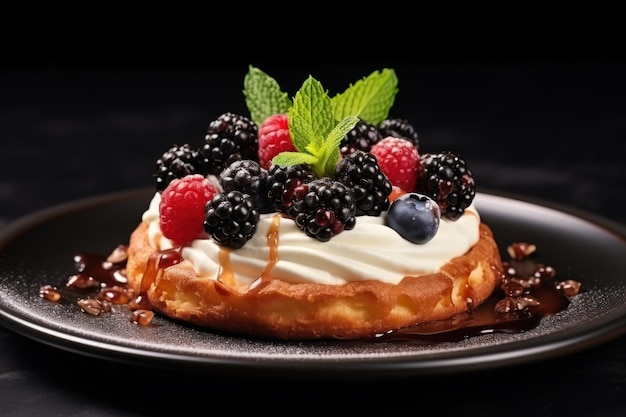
317	122
263	96
314	131
370	98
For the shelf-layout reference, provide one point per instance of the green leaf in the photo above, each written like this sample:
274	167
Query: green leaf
330	157
294	158
318	124
310	117
370	98
339	131
263	96
315	133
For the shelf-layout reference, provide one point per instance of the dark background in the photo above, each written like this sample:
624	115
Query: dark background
547	125
550	128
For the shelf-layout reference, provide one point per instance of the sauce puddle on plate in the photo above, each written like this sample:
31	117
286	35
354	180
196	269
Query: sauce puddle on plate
528	292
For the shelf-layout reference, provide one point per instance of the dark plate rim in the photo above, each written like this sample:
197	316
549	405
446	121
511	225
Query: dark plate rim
613	325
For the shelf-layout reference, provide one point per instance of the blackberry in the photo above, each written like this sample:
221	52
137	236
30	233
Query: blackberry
360	171
248	177
283	182
362	136
399	128
176	162
229	138
231	218
326	208
446	178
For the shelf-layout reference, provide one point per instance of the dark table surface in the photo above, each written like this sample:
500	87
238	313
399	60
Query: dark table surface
548	130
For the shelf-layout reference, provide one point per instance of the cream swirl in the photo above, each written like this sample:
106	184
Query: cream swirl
370	251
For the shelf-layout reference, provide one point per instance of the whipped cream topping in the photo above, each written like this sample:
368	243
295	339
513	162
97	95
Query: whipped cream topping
370	251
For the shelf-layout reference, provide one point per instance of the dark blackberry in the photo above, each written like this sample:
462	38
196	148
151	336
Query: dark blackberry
176	162
229	138
325	209
371	188
362	136
248	177
399	128
231	218
446	178
283	182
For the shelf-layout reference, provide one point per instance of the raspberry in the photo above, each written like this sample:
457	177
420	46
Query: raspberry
181	211
398	160
395	193
274	138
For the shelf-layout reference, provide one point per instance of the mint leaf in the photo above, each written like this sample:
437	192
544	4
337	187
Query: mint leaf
370	98
294	158
318	123
310	117
314	131
329	159
263	96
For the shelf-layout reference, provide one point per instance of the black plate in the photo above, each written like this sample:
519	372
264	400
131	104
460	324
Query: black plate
39	248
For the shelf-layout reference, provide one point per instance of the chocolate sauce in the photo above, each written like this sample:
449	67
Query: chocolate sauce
99	282
94	270
156	261
527	292
485	319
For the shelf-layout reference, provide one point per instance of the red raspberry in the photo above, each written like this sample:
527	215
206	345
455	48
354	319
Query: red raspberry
398	159
274	138
181	211
395	193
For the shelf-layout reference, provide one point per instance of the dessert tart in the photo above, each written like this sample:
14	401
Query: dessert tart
317	217
278	308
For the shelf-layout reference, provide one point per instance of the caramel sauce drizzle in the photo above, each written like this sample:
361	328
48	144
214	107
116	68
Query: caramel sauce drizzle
272	243
156	261
529	291
469	294
482	319
225	275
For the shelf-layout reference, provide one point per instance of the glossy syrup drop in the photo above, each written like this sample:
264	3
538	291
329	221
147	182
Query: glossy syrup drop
94	270
272	243
484	319
529	291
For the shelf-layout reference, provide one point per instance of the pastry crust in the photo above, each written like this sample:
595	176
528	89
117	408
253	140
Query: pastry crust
276	309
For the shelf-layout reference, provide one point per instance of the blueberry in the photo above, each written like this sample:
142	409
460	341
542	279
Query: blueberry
415	217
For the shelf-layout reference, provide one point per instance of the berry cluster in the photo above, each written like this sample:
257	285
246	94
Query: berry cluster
229	138
365	135
377	170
